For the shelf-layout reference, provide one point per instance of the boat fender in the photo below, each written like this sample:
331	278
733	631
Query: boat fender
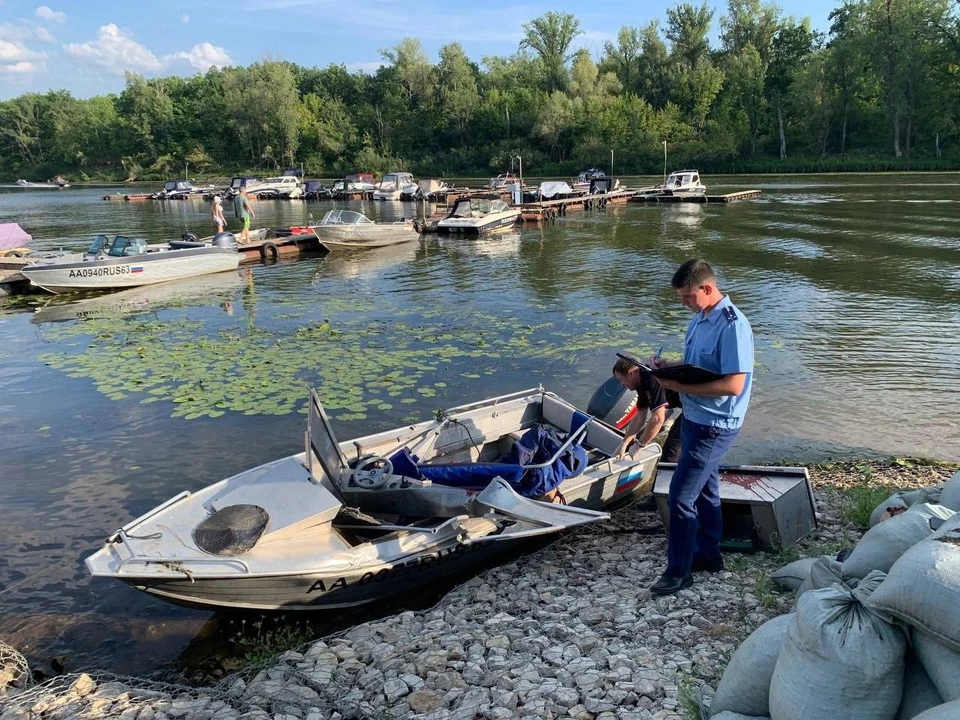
269	251
613	404
189	237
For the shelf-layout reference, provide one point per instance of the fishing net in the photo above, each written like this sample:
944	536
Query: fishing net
231	530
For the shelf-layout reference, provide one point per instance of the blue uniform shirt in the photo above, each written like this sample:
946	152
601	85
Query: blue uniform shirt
720	340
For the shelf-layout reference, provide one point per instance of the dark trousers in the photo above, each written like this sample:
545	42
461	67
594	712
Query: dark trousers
694	498
671	446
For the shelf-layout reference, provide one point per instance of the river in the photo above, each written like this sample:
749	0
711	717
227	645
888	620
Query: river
852	285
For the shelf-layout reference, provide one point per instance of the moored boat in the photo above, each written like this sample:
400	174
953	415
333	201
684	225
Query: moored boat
684	183
347	228
123	261
479	214
346	523
392	185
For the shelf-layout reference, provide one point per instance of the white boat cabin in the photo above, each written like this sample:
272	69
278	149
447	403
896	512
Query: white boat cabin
477	207
396	180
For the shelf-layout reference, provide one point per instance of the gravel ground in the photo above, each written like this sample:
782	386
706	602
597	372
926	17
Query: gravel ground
568	632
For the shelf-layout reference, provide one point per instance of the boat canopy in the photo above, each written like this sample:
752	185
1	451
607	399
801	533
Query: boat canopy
13	236
396	179
177	185
345	217
478	205
550	189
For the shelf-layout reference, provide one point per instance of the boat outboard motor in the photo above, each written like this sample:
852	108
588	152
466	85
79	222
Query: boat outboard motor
613	404
225	240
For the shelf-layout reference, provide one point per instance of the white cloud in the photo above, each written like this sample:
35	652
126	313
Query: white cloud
22	68
184	18
17	60
203	56
44	35
45	13
115	51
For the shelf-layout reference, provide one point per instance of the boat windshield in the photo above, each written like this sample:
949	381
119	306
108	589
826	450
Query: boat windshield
344	217
100	243
170	185
474	207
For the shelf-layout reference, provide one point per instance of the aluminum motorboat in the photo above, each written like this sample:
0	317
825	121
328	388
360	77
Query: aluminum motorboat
479	214
283	186
123	261
347	523
180	189
351	229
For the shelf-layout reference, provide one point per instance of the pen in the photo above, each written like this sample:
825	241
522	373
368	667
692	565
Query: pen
657	356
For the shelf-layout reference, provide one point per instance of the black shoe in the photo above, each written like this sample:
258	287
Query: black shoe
668	585
710	565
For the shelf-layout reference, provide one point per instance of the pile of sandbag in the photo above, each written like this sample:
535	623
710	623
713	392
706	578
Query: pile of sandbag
876	632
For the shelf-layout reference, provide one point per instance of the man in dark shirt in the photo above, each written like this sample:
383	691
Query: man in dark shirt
650	396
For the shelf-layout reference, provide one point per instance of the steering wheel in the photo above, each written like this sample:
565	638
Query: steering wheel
372	472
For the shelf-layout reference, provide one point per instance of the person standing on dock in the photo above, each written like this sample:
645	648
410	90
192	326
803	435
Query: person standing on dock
719	339
216	214
243	210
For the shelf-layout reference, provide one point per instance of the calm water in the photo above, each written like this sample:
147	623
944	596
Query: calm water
851	283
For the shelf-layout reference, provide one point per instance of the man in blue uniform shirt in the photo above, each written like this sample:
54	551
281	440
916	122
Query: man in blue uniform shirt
719	339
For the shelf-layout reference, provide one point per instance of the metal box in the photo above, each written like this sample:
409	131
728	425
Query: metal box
771	507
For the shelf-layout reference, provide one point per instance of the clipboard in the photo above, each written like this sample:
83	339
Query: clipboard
686	374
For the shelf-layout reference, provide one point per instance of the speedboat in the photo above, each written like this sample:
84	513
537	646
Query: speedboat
55	185
283	186
241	182
315	190
392	184
584	179
684	183
424	190
123	261
479	214
350	229
502	181
179	189
347	523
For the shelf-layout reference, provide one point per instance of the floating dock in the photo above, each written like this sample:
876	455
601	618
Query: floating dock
729	197
276	247
544	210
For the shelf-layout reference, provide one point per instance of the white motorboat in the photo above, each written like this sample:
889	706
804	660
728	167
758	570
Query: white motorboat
479	214
123	262
347	523
250	184
56	185
350	229
424	190
684	183
283	186
392	184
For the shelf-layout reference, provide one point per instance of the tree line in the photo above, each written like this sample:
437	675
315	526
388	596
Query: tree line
878	90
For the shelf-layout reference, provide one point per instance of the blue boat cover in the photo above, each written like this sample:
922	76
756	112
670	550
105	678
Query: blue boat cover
535	447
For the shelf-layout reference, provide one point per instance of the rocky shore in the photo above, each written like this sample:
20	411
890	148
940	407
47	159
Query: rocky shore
568	632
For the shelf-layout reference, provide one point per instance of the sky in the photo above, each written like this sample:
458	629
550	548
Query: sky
85	46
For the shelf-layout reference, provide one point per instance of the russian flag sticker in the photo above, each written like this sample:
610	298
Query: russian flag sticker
136	268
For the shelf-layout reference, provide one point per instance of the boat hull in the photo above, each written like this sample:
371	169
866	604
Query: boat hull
328	590
352	236
131	271
476	226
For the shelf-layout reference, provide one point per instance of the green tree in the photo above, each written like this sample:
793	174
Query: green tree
457	86
550	37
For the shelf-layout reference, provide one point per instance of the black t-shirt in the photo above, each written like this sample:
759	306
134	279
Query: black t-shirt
652	395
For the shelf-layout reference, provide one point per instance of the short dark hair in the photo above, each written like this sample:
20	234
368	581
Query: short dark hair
693	273
623	366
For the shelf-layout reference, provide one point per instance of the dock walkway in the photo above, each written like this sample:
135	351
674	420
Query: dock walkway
729	197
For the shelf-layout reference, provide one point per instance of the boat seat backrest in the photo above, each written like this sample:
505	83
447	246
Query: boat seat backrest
560	415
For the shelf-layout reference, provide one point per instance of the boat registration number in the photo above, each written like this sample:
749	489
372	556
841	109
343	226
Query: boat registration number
101	271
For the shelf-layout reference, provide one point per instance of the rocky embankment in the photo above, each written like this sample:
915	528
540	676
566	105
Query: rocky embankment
569	632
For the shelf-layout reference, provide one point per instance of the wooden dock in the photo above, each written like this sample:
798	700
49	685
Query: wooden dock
729	197
544	210
277	247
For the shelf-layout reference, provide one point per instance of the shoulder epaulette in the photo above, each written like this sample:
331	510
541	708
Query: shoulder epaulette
730	314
